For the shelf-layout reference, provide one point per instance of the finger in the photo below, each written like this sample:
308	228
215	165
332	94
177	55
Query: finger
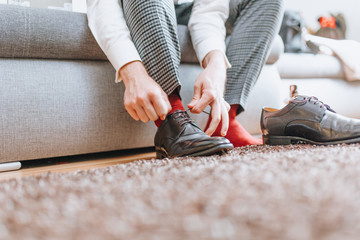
192	103
203	102
215	118
227	106
141	113
133	113
169	107
150	112
196	97
162	107
224	119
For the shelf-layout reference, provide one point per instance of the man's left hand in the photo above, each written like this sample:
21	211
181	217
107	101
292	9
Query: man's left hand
208	91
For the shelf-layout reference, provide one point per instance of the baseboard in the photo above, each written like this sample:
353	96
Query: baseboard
4	167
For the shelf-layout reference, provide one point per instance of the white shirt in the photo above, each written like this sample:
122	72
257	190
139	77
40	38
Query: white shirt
107	23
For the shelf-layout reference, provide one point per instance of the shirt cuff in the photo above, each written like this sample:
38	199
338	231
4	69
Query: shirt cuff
120	54
209	45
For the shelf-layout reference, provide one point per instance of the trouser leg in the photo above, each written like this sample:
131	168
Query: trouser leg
153	29
253	25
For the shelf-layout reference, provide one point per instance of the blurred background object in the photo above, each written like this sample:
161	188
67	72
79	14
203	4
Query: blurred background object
332	27
312	10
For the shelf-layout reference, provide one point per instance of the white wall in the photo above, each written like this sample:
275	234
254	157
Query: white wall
312	9
79	6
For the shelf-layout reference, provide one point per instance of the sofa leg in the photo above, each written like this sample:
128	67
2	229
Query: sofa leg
4	167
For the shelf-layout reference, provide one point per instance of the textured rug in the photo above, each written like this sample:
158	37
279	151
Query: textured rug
292	192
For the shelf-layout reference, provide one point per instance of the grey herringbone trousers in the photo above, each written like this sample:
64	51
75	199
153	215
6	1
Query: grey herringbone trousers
252	26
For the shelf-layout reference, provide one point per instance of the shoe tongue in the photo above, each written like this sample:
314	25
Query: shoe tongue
302	99
187	127
190	128
299	99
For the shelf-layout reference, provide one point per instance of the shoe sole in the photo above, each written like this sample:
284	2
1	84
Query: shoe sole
287	140
220	149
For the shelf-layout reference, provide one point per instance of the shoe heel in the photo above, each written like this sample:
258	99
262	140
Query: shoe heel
160	155
274	140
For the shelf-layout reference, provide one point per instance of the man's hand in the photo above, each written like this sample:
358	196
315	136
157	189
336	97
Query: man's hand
208	90
144	99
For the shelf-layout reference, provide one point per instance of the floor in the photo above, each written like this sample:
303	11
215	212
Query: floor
258	192
75	163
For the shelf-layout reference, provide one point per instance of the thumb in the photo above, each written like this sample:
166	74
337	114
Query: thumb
196	96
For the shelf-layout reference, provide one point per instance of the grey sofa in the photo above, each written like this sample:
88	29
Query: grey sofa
58	96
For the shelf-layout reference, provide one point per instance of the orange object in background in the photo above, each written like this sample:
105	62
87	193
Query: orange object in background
327	22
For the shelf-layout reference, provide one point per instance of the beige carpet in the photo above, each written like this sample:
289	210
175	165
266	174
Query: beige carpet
293	192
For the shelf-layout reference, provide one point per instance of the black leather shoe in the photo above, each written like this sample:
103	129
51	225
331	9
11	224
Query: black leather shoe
306	119
179	136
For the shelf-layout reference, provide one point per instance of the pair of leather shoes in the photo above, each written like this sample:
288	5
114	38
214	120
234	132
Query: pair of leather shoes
306	119
179	136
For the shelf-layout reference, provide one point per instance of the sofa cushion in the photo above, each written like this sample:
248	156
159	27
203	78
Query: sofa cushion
44	33
188	54
54	34
304	65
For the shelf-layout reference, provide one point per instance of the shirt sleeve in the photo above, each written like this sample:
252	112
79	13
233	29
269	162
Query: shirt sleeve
207	27
107	24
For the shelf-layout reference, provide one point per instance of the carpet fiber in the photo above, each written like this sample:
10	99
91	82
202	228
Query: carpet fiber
259	192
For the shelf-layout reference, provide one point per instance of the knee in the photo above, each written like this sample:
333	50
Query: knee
276	7
272	10
149	4
140	6
280	7
145	10
273	7
276	10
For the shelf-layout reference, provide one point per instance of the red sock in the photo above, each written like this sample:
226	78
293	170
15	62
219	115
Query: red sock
236	134
175	103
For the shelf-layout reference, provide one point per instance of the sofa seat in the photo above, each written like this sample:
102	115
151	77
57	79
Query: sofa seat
294	65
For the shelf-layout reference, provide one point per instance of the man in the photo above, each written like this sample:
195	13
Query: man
140	40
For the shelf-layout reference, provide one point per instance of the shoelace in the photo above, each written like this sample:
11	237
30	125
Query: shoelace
322	104
185	118
183	115
189	109
317	101
208	113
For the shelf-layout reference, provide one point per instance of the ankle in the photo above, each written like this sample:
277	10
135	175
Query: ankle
233	112
236	134
176	104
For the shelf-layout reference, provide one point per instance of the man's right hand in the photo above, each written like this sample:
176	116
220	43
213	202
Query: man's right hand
144	99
